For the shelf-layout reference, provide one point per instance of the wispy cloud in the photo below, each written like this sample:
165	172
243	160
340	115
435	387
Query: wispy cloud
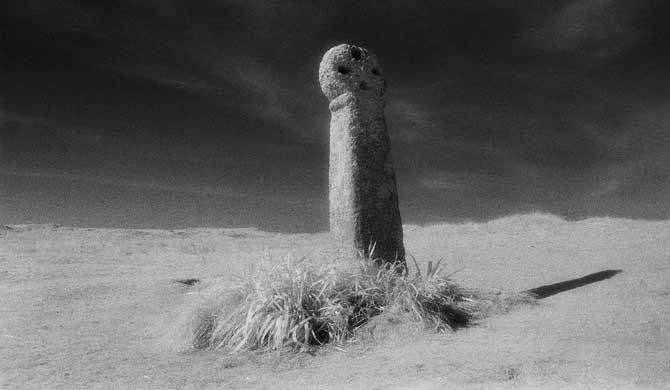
168	78
594	28
443	182
159	46
409	123
13	123
635	155
197	190
249	73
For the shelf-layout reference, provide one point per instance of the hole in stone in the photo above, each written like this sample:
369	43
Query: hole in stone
343	69
375	72
355	53
363	85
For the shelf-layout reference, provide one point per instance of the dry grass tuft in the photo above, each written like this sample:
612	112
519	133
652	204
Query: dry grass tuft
299	305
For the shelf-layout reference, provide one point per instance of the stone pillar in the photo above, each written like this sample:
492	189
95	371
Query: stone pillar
363	194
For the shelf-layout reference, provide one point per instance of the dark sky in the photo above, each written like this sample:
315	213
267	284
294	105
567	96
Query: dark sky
167	113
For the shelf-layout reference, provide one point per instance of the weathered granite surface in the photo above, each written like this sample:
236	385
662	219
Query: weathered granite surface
363	193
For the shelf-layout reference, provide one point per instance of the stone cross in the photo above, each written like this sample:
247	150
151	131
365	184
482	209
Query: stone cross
363	195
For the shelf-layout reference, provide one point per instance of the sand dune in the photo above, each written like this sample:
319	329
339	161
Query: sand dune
92	308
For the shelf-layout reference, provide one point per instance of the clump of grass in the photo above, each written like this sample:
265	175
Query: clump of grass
299	305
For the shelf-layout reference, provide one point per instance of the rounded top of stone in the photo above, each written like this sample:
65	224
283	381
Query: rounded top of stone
349	68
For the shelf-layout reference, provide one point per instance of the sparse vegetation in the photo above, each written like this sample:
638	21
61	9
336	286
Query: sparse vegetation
298	305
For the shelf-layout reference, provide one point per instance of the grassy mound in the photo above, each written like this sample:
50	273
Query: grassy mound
299	305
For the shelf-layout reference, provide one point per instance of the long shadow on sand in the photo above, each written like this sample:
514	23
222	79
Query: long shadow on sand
552	289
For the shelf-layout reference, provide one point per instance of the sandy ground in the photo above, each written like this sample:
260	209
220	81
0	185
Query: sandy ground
93	308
